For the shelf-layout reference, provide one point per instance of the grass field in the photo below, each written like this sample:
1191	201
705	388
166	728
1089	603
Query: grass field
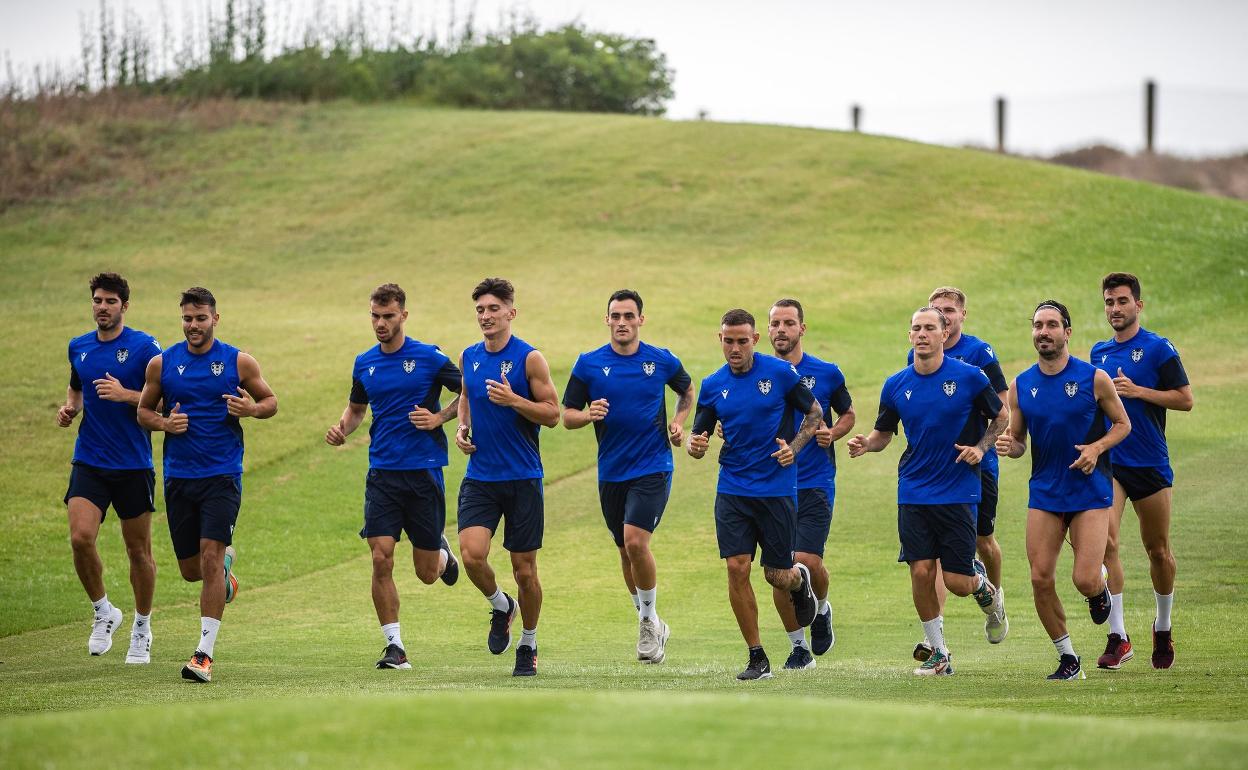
291	226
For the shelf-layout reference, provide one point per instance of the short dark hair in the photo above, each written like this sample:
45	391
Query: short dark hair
944	322
624	294
737	317
1114	280
387	293
499	287
111	282
198	295
1059	307
789	302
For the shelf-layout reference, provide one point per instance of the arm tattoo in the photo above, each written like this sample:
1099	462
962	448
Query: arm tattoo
995	429
809	425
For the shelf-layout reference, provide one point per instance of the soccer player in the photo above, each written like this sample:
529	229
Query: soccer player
112	461
619	389
969	349
816	470
507	396
943	403
1150	379
754	396
210	386
1063	402
401	380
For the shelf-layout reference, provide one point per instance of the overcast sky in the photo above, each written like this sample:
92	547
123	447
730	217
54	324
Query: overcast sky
1073	70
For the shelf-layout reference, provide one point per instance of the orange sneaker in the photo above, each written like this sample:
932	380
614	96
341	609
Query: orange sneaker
1117	651
199	668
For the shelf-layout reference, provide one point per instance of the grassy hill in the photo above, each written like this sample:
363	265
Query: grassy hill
292	225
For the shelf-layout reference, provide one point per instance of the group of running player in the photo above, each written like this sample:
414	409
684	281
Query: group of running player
778	418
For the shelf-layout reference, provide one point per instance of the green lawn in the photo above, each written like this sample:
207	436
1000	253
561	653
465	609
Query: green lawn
292	225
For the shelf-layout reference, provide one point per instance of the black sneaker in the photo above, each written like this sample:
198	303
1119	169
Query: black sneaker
1098	606
451	573
526	661
800	658
500	627
804	603
1068	668
393	657
758	668
821	636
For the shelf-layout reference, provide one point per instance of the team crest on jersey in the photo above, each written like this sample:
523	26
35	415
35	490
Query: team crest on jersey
1034	391
371	369
950	387
1137	354
122	355
181	368
648	368
505	368
217	368
606	371
764	386
908	392
409	366
1072	388
809	382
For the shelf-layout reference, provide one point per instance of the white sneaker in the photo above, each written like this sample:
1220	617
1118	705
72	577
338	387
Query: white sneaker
101	639
140	648
997	625
652	641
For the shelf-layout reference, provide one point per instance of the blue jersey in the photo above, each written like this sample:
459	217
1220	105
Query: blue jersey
110	435
970	349
1150	361
755	408
816	466
949	406
506	441
632	438
393	384
213	442
1061	411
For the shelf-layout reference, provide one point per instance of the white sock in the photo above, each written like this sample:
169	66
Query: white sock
142	623
528	638
391	632
1116	626
444	558
798	638
103	608
1164	603
208	628
824	607
1064	645
499	600
648	599
934	632
636	602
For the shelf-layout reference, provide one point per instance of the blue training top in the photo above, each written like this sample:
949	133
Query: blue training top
816	466
110	435
632	438
1151	362
213	442
507	448
947	407
755	408
970	349
393	384
1061	411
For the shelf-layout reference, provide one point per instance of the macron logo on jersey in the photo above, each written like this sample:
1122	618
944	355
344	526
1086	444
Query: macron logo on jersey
1103	357
724	393
181	368
988	349
908	392
82	356
371	369
606	371
475	364
1034	391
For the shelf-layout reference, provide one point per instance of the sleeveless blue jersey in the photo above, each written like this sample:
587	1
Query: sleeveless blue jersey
1151	362
816	466
507	447
109	435
970	349
632	438
213	442
1061	411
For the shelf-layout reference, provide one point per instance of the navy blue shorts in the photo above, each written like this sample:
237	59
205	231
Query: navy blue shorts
132	493
412	501
204	509
638	501
986	518
814	519
1143	482
743	523
945	532
520	504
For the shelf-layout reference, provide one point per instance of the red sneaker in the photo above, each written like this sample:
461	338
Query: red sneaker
1117	652
1163	649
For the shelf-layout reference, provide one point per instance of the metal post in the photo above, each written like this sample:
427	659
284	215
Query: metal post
1150	114
855	114
1001	124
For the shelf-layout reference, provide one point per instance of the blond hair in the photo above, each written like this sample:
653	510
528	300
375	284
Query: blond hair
952	292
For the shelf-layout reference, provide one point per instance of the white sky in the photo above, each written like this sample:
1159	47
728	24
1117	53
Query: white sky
1073	71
